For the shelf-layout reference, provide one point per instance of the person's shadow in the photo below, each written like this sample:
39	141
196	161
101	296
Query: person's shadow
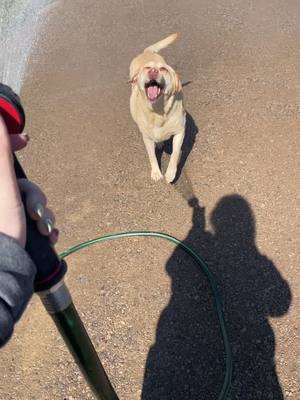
186	362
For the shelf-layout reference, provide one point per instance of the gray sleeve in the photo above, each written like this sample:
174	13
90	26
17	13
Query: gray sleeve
17	273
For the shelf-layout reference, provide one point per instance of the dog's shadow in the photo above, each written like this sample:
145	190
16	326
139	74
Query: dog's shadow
191	130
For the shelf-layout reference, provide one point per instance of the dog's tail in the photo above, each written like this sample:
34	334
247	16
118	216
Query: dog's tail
156	47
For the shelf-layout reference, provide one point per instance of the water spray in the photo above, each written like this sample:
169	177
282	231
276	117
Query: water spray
20	23
54	294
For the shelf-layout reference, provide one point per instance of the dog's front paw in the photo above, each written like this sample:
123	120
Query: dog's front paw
156	175
170	174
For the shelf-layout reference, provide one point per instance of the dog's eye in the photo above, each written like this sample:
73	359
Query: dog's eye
147	67
163	69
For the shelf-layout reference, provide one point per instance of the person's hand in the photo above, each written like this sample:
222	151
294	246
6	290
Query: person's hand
17	270
12	215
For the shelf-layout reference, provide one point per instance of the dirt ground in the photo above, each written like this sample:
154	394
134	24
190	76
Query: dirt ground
147	308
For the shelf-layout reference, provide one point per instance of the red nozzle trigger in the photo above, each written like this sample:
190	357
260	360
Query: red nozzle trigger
11	110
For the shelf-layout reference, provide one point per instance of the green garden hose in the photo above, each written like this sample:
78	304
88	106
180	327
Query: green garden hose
203	266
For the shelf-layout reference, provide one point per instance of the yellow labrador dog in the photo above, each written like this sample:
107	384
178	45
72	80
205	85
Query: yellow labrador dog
156	105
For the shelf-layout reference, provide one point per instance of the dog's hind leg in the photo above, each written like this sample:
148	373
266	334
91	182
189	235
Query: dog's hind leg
159	145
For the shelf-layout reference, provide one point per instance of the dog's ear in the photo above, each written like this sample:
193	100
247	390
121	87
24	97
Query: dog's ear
133	79
133	76
176	84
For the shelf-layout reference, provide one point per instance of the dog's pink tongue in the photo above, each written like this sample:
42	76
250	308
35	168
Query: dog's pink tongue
152	92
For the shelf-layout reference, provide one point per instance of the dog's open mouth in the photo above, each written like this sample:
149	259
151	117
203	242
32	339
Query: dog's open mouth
153	90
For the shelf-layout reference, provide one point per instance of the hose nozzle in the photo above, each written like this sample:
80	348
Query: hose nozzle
11	110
